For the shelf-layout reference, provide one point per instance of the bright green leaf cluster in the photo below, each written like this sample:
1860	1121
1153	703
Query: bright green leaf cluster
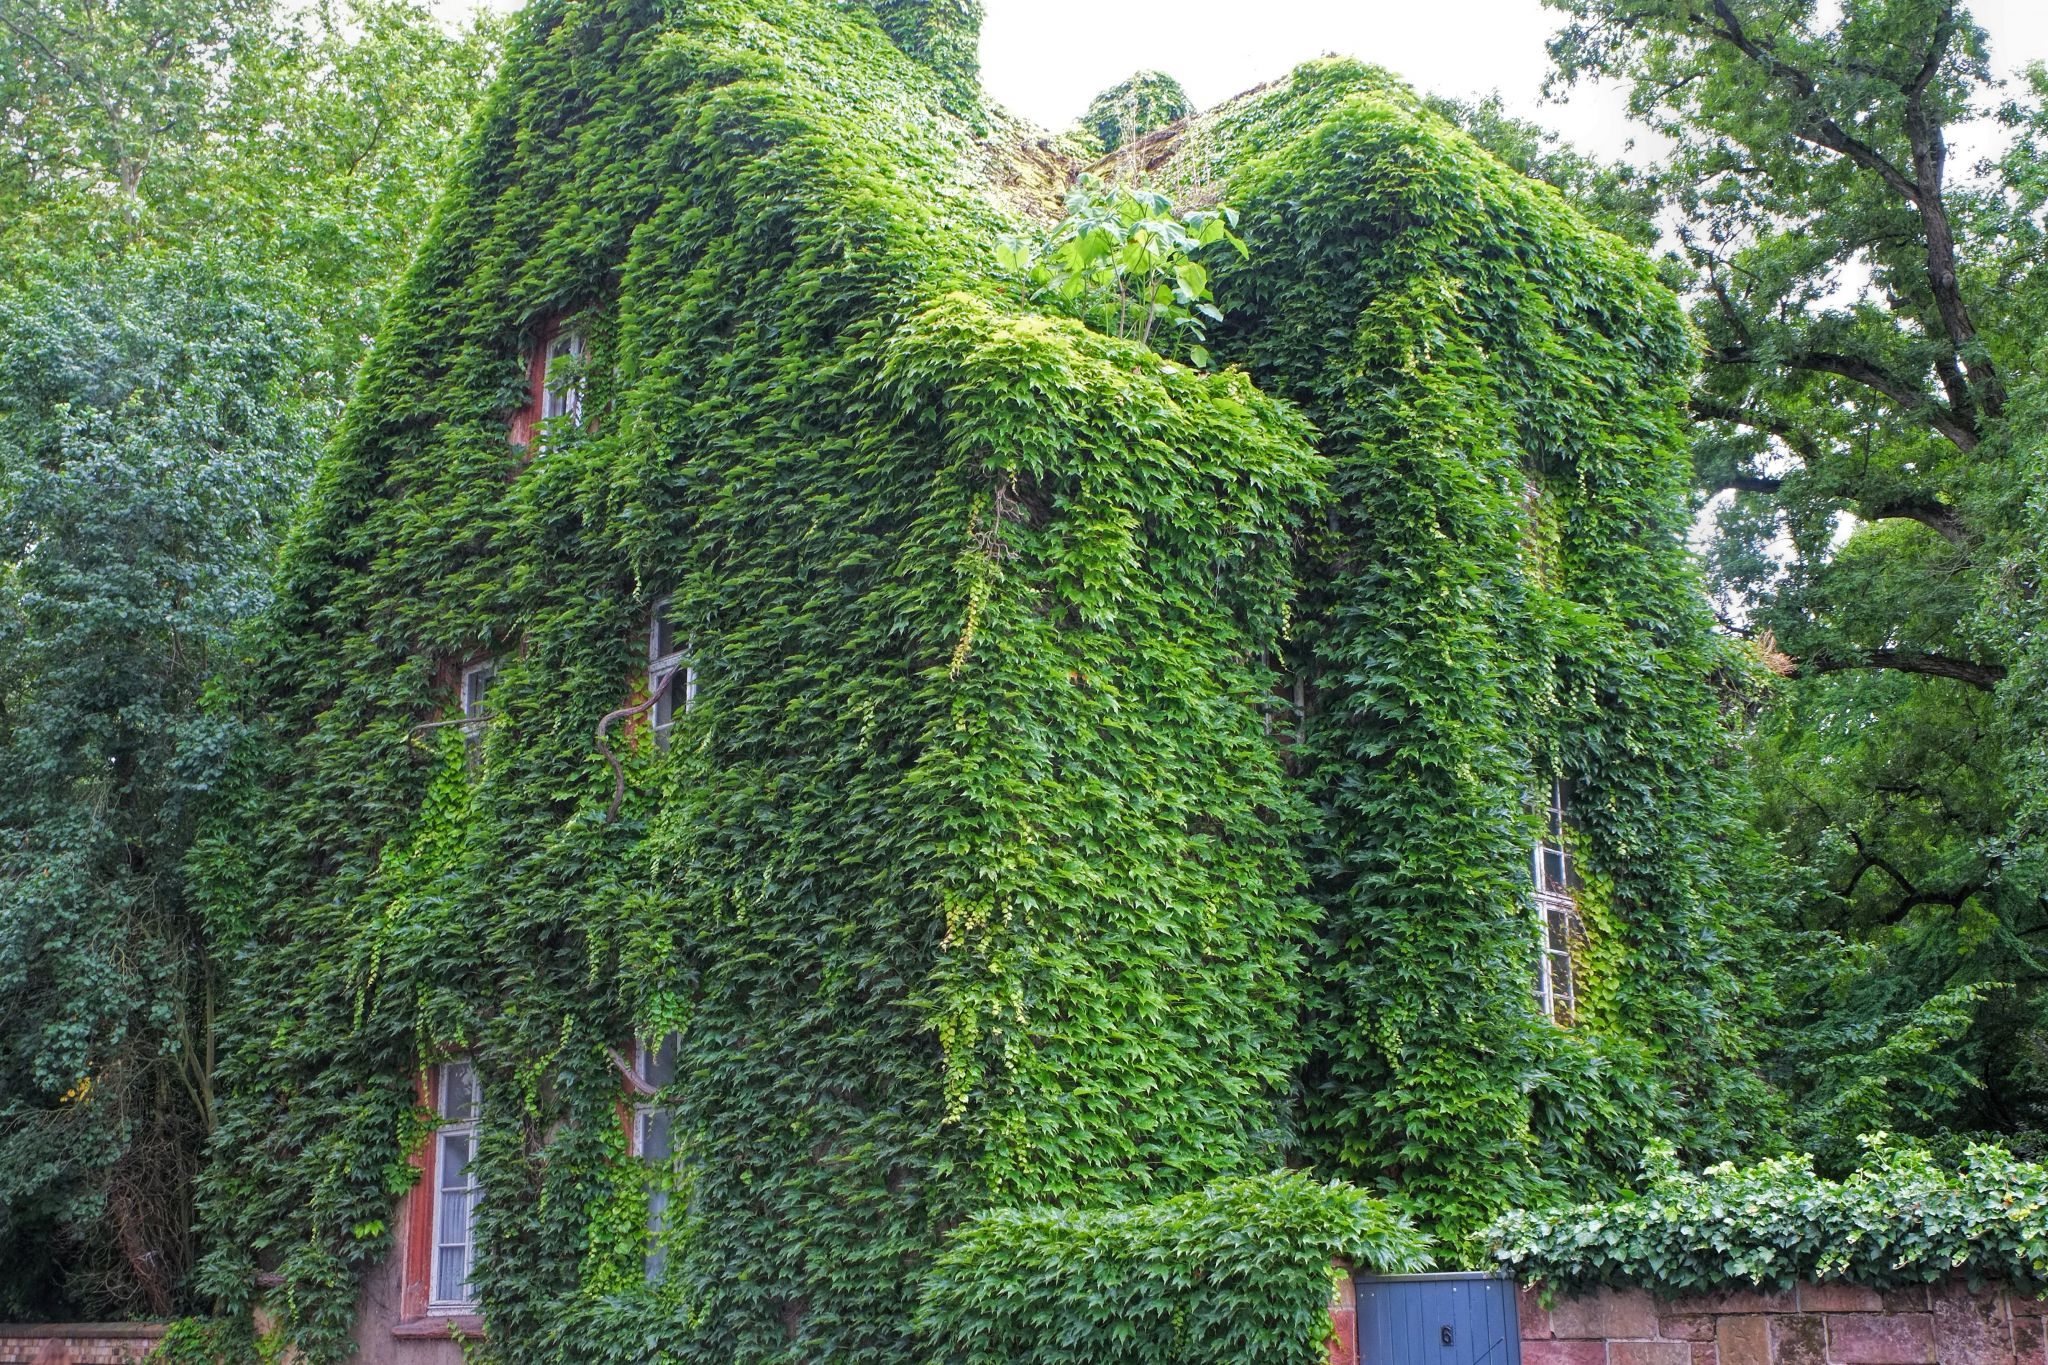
1235	1273
1125	260
1900	1218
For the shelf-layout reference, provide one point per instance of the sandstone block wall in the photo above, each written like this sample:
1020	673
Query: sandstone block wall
78	1343
1812	1324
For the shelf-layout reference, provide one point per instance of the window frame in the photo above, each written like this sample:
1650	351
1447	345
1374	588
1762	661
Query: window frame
652	1076
471	700
662	713
1559	926
439	1303
562	400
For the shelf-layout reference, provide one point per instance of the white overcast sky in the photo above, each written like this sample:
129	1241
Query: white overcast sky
1045	59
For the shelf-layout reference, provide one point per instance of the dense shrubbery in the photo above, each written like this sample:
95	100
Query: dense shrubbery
1238	1272
1900	1218
1136	106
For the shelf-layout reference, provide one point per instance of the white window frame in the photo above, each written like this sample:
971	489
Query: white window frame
1557	910
473	690
476	685
645	1114
439	1298
564	399
661	664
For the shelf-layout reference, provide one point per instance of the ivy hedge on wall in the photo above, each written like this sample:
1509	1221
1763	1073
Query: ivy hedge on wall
1236	1273
1900	1218
1498	595
995	864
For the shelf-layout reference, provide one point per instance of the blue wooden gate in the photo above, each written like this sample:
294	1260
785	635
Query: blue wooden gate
1458	1319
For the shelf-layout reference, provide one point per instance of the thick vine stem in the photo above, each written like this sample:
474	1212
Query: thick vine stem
654	695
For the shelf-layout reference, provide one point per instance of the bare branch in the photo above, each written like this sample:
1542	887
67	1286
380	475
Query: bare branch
1983	676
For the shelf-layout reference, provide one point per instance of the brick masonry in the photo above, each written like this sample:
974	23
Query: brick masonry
1813	1324
78	1343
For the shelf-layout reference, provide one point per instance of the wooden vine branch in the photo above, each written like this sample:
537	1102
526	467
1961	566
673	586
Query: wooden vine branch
638	708
412	736
633	1081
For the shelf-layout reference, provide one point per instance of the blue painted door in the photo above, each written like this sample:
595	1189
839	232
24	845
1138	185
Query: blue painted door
1462	1319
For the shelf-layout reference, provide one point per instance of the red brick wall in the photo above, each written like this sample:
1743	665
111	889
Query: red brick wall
77	1343
1813	1324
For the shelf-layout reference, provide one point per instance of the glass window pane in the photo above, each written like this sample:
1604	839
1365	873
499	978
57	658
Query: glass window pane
451	1274
454	1163
454	1216
654	1134
458	1092
658	1061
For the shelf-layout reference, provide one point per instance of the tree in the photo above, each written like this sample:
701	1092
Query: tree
1864	307
151	438
309	142
1138	104
205	202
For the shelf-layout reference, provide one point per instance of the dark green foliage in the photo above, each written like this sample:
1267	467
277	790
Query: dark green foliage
976	874
1871	300
1135	106
150	440
1502	594
1899	1218
1237	1271
306	143
969	876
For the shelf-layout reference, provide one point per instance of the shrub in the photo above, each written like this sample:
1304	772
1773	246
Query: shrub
1133	107
1899	1219
1236	1271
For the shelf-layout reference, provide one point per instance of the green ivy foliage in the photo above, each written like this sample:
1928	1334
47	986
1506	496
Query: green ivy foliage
989	867
971	874
1499	594
1238	1271
1139	104
1900	1218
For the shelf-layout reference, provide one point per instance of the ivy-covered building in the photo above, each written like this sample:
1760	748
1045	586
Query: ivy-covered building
781	743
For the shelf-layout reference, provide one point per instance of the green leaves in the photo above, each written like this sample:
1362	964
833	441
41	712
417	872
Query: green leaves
1238	1271
1898	1218
1124	261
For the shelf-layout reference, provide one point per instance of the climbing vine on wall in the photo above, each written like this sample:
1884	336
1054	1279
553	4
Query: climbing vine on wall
993	863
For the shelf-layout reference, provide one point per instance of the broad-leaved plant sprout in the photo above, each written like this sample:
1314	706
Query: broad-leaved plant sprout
1125	262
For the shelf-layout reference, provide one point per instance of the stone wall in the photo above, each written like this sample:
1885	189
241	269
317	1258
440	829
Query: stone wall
1813	1324
77	1343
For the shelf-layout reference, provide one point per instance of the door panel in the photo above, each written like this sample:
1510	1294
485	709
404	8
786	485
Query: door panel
1437	1320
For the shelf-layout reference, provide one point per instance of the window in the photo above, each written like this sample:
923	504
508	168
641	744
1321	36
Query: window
455	1188
1557	906
562	382
655	1066
476	688
667	658
476	685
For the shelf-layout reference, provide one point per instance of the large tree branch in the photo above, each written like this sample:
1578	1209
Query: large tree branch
1798	441
1923	188
1916	403
1937	517
1930	163
1819	129
1979	675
